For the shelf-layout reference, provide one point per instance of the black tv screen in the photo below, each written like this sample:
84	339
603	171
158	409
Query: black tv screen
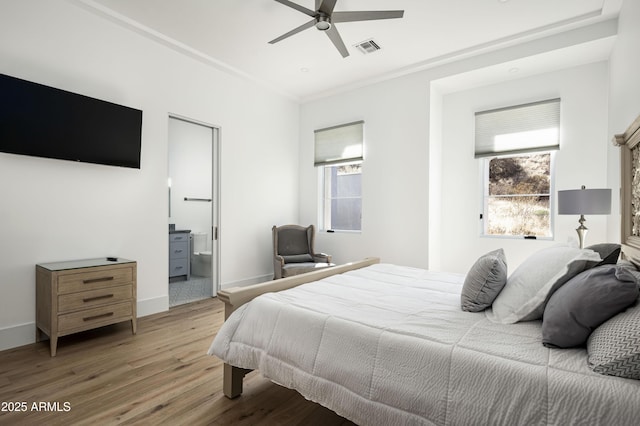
43	121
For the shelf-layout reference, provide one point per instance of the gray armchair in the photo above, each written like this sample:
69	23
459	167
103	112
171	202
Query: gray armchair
293	252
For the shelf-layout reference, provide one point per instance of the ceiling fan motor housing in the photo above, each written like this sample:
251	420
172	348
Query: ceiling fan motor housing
323	22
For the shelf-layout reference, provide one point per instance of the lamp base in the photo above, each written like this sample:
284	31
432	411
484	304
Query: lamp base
582	231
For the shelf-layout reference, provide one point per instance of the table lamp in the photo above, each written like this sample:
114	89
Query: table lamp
584	201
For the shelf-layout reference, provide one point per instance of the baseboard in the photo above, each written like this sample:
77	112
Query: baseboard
25	334
17	335
248	281
153	306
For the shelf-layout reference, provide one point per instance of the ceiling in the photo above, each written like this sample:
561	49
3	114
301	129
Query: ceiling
234	35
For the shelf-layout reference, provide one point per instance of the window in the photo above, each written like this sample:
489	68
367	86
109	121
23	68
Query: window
517	199
339	155
516	145
342	201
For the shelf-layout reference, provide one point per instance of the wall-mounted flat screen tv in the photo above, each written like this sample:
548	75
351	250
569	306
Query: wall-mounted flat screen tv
43	121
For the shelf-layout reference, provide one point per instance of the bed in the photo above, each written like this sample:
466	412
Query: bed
384	344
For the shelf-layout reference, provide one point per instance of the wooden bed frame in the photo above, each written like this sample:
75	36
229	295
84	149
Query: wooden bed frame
235	297
629	142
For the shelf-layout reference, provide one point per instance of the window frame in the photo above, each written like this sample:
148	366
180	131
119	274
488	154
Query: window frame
484	216
324	213
337	146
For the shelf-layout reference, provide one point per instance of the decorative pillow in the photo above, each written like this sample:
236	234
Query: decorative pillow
484	281
614	347
609	252
534	281
584	302
629	266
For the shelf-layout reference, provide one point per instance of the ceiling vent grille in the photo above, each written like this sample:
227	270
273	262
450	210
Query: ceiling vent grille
368	46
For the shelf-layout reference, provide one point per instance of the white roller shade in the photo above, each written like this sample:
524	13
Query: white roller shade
339	144
518	129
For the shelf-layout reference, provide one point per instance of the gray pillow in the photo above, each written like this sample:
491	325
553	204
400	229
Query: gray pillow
484	281
298	258
609	252
629	266
584	302
614	347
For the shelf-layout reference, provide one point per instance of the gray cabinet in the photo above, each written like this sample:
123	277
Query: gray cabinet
179	254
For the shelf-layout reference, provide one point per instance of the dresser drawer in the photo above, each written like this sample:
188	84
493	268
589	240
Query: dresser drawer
179	237
95	317
93	280
178	250
178	267
92	298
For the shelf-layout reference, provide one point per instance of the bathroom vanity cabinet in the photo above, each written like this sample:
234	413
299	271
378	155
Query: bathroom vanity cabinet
179	254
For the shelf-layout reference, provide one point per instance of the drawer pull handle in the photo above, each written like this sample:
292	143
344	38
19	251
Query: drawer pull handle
92	299
178	251
109	314
97	280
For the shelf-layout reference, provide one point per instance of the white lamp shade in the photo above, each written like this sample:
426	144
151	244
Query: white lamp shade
584	201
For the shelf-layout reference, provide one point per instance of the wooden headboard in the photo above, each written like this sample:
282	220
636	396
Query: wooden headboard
629	142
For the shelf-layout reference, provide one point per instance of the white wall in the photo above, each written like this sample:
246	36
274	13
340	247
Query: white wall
401	218
54	210
624	95
394	172
583	146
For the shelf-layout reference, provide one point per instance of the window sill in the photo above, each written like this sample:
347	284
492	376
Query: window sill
341	231
517	237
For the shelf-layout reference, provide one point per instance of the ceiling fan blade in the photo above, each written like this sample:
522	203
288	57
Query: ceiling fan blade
298	7
335	38
302	27
366	15
326	6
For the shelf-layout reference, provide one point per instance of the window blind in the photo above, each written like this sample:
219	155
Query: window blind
518	129
339	144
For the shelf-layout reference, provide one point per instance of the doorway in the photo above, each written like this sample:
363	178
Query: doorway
193	197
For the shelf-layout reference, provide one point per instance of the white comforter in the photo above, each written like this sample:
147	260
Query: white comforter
389	345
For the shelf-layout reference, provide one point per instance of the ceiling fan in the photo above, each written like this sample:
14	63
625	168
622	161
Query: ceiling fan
324	17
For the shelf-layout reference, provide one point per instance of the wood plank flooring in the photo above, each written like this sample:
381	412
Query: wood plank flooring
162	375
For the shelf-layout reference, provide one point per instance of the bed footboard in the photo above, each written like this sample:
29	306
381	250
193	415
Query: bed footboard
235	297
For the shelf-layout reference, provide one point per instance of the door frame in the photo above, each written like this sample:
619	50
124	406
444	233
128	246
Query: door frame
216	132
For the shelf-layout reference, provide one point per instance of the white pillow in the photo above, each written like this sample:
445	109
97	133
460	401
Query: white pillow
534	281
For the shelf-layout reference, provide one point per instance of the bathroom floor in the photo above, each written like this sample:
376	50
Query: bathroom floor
186	291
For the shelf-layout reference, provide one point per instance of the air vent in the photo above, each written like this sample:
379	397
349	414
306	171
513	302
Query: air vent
368	46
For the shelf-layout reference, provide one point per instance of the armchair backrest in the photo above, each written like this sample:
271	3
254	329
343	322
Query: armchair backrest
293	240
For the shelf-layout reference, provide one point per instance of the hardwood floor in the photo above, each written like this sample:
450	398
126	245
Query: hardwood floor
162	375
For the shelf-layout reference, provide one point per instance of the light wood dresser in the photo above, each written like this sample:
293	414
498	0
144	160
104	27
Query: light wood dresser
84	294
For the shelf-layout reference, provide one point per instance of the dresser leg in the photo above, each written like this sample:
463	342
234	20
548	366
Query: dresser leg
134	325
53	345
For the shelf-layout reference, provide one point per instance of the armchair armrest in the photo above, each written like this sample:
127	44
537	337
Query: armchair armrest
322	257
278	263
